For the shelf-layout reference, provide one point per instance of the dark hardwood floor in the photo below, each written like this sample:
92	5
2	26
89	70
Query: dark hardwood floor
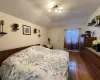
77	68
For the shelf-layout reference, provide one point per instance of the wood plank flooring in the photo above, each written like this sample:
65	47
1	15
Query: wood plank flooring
77	68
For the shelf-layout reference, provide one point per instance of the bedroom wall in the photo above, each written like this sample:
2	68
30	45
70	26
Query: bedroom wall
92	28
17	39
57	36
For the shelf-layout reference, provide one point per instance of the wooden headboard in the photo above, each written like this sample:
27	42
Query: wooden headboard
6	53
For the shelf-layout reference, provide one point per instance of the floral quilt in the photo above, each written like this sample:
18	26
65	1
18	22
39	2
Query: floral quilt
36	63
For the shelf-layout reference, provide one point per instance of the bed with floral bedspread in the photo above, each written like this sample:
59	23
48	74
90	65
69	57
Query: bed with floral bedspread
36	63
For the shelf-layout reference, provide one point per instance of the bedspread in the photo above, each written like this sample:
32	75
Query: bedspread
36	63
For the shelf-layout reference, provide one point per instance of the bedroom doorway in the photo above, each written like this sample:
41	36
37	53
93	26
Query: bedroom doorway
71	41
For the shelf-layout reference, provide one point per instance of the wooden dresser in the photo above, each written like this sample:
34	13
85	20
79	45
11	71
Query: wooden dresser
85	42
92	60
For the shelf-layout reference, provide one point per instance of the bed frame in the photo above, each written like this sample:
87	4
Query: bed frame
6	53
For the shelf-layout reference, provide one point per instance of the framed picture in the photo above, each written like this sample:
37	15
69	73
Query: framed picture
26	30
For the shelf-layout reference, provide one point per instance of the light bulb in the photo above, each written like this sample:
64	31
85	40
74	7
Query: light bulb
59	10
49	10
56	10
51	4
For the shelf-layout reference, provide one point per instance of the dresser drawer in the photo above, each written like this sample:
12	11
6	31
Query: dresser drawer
87	56
95	60
95	69
93	63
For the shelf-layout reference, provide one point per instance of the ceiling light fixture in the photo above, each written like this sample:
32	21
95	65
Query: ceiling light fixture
53	7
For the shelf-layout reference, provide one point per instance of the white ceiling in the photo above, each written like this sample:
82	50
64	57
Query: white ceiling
76	12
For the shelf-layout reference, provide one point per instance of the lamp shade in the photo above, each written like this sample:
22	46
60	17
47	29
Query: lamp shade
2	22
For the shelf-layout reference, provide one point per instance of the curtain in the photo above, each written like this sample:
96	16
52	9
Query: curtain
72	39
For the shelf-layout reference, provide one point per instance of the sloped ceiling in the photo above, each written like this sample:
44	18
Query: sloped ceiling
76	12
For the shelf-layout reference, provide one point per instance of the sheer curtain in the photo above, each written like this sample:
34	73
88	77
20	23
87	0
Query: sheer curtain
72	38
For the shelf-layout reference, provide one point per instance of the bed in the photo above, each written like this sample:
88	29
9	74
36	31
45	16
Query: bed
36	63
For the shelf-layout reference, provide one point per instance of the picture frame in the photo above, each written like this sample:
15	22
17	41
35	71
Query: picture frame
26	30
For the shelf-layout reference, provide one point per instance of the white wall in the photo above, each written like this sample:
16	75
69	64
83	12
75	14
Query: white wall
17	39
92	28
57	35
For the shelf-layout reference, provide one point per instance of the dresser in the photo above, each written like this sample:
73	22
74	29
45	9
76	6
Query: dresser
92	60
85	42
